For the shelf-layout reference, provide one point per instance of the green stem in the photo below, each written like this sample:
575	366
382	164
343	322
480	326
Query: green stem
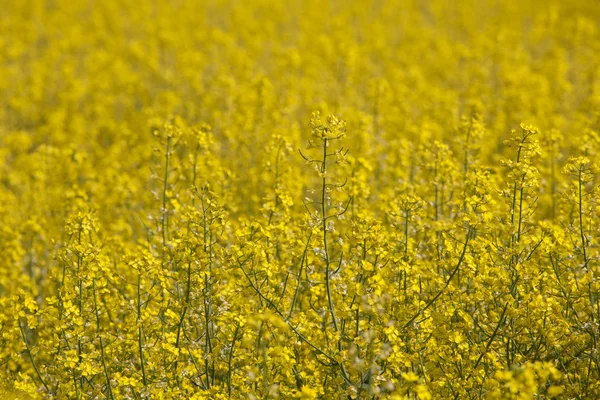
35	367
141	330
110	392
325	244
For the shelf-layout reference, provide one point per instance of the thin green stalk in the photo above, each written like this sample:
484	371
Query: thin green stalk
295	298
185	307
164	215
581	232
230	358
206	298
80	301
110	392
141	330
28	349
325	243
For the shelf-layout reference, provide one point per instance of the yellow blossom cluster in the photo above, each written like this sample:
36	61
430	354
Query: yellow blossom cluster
303	199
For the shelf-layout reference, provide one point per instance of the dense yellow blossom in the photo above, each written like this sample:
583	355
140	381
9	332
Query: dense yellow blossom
210	199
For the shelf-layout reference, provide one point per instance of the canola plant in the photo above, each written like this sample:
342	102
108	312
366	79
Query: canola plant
209	199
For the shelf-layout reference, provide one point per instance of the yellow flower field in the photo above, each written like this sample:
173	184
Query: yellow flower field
303	199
